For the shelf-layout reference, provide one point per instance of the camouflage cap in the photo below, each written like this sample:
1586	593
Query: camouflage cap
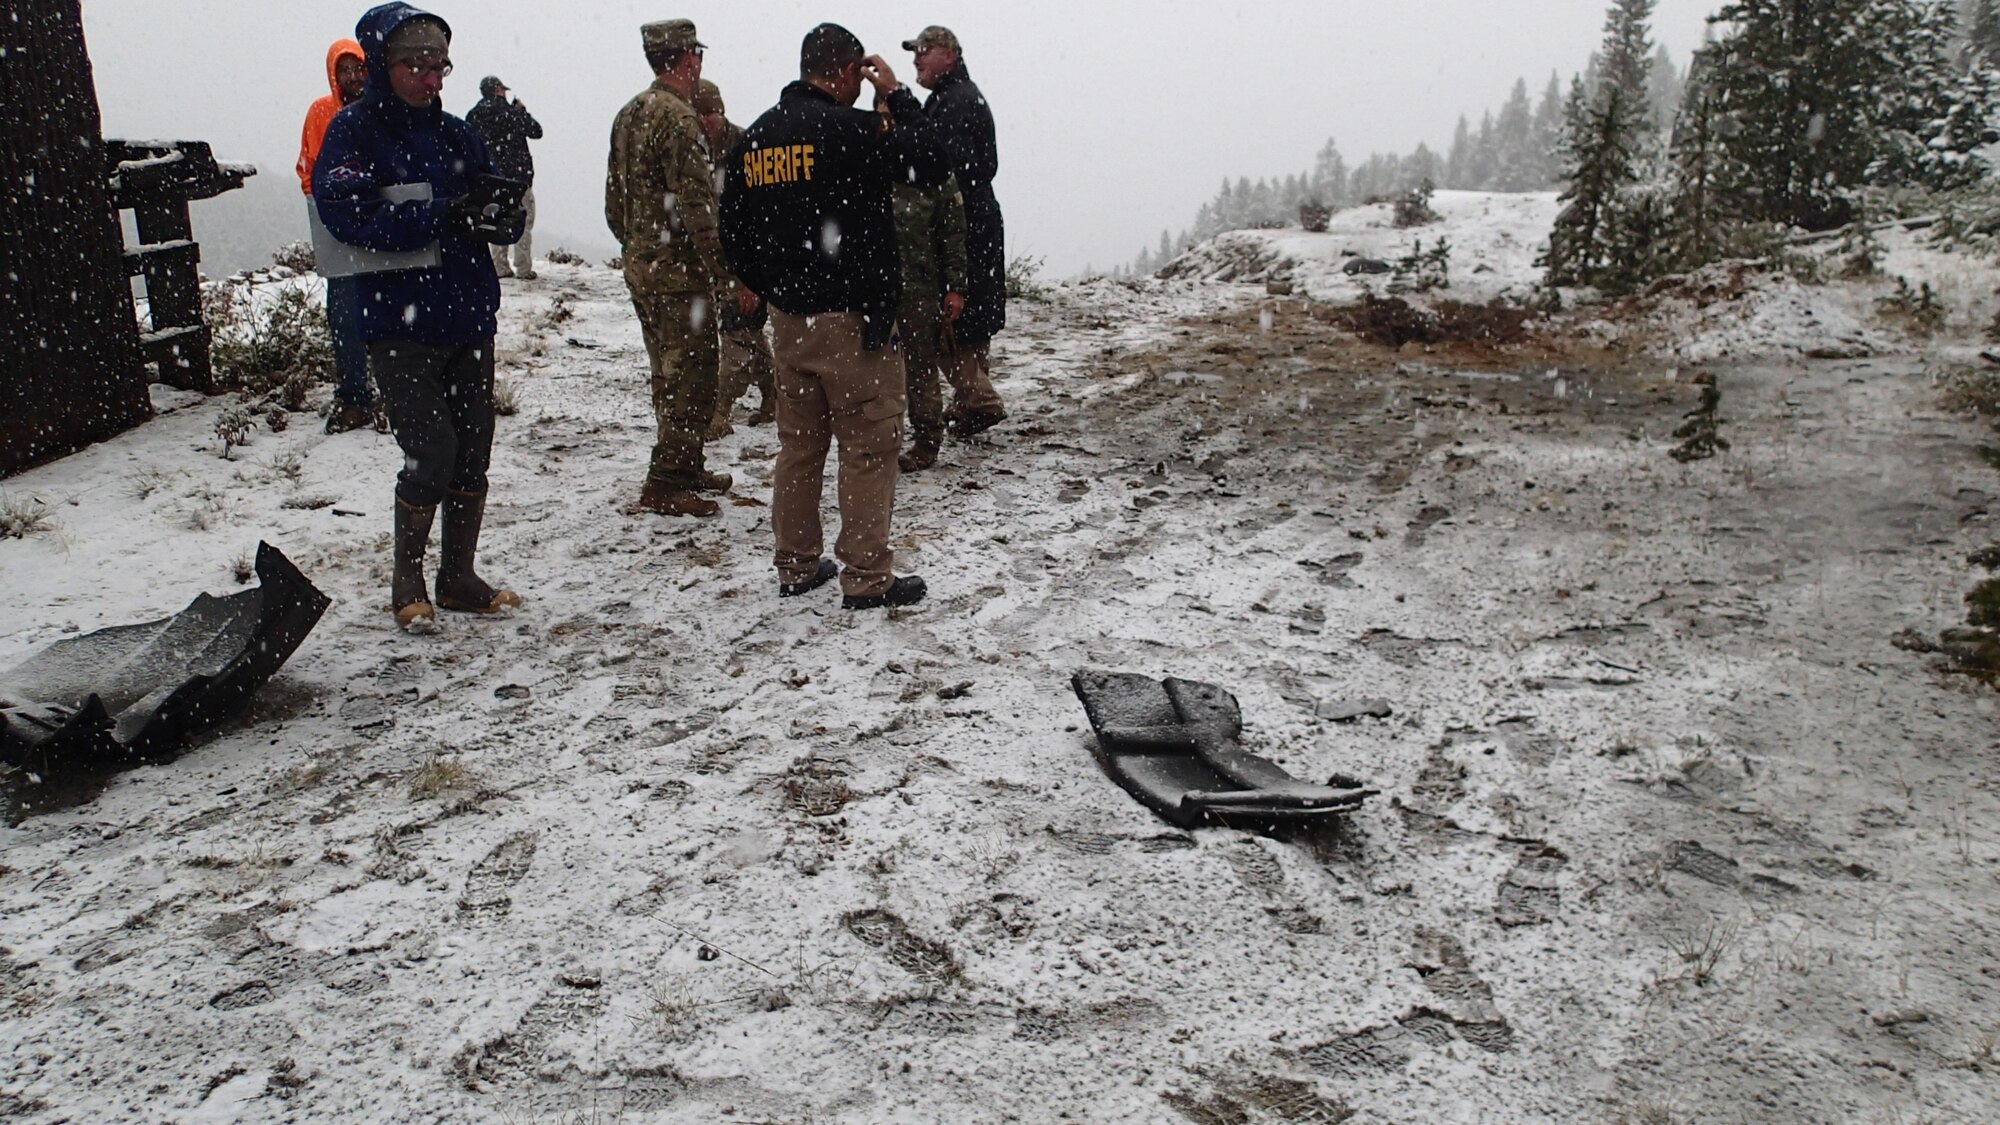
707	97
933	36
670	34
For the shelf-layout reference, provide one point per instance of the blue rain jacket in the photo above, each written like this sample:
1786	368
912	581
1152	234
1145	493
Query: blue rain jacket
381	141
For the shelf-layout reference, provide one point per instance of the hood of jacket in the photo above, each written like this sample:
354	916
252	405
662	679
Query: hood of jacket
952	77
373	30
341	49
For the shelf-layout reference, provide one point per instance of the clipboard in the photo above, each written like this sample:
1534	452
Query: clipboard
335	258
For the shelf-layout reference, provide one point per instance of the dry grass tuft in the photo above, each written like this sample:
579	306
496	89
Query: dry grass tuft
1701	951
20	518
440	775
506	400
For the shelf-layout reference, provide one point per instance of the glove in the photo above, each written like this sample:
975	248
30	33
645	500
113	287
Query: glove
490	224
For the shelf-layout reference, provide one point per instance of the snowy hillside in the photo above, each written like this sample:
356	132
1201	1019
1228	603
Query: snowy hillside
1662	811
1495	239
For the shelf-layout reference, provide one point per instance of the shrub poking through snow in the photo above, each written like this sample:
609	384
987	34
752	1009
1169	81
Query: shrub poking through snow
233	426
1700	434
563	256
295	256
1421	270
1314	216
1413	207
260	344
1918	310
1024	279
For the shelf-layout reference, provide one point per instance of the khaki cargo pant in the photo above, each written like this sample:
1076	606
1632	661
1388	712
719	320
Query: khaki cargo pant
830	387
746	362
919	322
680	343
522	252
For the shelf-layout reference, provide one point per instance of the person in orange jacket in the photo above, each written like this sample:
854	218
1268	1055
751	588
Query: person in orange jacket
347	80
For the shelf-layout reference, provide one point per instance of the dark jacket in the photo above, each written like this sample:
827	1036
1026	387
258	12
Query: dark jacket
507	128
964	126
806	218
380	141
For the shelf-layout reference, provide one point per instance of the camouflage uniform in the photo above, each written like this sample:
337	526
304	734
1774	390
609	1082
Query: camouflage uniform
930	240
746	351
660	201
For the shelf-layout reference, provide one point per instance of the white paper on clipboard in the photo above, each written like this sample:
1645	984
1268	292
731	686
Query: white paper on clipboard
335	258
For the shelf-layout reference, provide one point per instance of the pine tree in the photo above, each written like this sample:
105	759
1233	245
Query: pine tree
1982	34
1458	161
1664	90
1702	211
1513	143
1548	133
1329	176
1423	166
1602	148
1484	168
1823	97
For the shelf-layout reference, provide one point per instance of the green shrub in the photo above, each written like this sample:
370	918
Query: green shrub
1024	279
259	345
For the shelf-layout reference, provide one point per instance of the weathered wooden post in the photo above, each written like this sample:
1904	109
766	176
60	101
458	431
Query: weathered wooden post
70	371
156	182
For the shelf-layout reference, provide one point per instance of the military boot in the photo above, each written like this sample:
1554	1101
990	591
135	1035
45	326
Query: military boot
664	500
408	599
922	454
459	587
715	482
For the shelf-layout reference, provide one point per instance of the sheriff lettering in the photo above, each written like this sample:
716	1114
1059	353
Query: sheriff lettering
781	164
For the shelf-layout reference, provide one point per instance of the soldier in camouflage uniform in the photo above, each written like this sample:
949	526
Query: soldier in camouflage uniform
930	240
660	202
746	352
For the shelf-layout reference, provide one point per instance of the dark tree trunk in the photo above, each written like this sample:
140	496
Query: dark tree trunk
69	364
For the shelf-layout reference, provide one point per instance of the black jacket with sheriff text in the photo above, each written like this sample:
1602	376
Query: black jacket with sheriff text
806	216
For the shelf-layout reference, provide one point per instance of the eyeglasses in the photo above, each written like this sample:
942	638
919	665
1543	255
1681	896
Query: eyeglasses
701	52
441	68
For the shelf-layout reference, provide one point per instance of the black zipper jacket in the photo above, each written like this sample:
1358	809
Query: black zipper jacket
806	216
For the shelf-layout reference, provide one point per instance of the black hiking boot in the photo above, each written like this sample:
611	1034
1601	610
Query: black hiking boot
907	590
820	577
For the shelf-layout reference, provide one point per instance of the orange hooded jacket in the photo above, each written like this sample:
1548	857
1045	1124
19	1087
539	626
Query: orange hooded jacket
322	111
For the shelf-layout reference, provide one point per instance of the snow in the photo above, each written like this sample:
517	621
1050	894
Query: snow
662	847
1495	239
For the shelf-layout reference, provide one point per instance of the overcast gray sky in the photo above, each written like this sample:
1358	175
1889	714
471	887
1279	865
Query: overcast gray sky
1116	119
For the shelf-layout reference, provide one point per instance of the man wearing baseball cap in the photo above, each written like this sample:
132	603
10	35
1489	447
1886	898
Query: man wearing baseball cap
506	126
964	126
659	200
807	224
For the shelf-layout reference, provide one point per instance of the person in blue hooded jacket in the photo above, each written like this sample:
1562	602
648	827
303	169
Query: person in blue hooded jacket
429	331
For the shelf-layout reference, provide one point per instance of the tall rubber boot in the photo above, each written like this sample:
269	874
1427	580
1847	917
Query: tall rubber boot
407	598
459	587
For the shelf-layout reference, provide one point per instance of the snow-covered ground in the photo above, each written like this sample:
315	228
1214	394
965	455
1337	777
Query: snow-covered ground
1716	315
1668	829
1494	237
